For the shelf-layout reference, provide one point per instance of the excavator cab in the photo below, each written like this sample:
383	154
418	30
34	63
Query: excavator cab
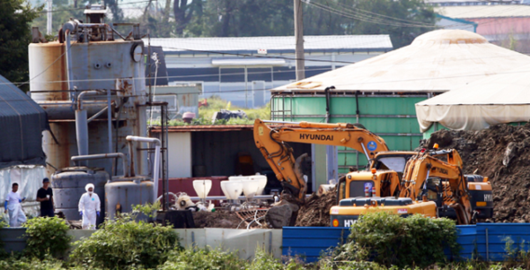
383	174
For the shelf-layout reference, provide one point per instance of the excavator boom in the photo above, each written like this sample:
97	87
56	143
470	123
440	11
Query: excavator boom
272	142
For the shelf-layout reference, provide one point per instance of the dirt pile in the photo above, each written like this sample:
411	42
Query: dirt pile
217	219
501	153
315	212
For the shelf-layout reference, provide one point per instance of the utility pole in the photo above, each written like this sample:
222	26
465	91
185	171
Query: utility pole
299	36
49	18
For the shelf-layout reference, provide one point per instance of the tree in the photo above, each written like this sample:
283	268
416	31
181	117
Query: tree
239	18
15	35
183	11
403	20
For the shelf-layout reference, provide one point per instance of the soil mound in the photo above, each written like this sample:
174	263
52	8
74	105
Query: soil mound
315	212
217	219
501	153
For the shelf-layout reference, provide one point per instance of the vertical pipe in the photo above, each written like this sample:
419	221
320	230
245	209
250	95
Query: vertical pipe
49	18
166	157
156	167
163	123
109	123
81	129
69	75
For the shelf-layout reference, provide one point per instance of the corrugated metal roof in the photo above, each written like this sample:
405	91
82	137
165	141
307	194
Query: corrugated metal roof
436	61
493	11
358	42
191	128
204	128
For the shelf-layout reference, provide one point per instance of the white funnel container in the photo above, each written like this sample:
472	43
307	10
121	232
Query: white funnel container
202	187
232	189
262	180
237	178
250	188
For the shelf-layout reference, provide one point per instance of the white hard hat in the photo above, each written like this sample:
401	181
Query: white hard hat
90	185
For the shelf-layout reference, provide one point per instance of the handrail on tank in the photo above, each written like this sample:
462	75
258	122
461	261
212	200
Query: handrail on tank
109	155
156	165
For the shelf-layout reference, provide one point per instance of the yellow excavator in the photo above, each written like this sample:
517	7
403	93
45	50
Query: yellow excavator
432	184
272	142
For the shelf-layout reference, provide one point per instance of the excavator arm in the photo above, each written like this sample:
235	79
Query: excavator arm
427	164
272	142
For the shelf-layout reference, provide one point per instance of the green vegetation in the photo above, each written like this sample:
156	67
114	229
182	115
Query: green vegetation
389	241
15	35
47	236
215	104
420	240
126	244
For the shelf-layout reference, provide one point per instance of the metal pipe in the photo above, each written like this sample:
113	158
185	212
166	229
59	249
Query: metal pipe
82	94
109	121
366	153
81	132
103	156
156	165
69	75
98	114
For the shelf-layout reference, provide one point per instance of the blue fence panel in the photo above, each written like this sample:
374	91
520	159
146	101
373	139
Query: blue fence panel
311	242
492	238
486	241
467	238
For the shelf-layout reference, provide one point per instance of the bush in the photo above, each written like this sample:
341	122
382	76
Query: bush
47	236
126	244
198	259
30	264
389	239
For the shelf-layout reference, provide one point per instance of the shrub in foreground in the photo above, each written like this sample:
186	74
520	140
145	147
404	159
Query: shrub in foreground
126	244
389	239
198	259
47	236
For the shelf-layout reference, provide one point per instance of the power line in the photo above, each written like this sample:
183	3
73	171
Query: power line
365	18
369	13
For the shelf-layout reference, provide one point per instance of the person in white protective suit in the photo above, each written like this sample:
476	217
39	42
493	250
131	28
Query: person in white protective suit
89	208
14	208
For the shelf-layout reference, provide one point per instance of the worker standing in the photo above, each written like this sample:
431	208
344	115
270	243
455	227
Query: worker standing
89	207
45	197
13	206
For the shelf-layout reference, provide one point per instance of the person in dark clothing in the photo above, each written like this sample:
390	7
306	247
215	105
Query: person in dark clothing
45	197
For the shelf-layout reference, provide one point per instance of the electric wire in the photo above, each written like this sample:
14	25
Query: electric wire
364	18
368	15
